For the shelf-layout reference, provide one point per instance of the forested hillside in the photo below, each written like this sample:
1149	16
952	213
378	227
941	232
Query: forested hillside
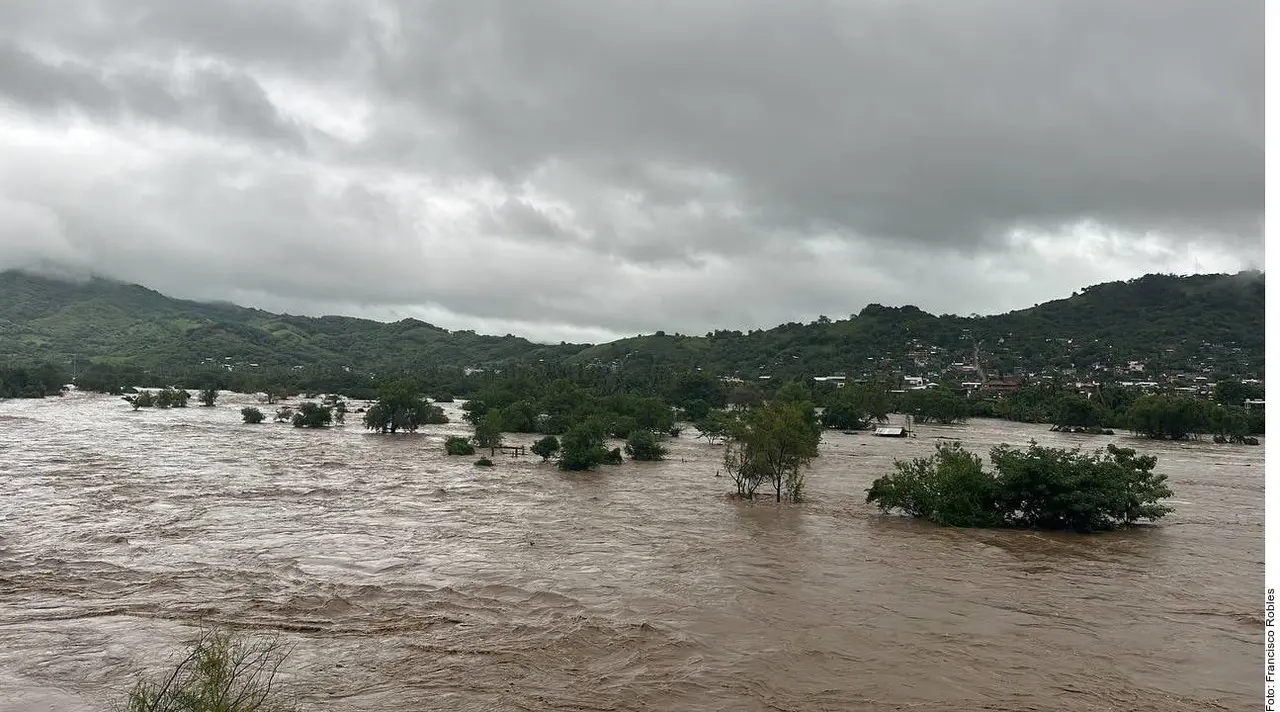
106	321
1165	322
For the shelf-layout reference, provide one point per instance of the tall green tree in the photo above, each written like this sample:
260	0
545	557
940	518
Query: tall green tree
774	445
488	432
935	405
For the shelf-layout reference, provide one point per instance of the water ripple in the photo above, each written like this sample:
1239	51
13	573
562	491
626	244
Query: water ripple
406	580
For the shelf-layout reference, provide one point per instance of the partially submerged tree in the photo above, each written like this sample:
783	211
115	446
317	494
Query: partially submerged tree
935	405
167	397
582	447
948	488
455	445
401	407
312	415
856	407
644	445
1161	417
208	397
222	672
718	424
489	430
274	394
1040	488
252	415
546	447
141	399
170	397
774	445
1075	411
336	404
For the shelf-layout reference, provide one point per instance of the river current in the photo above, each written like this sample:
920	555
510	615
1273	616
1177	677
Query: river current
407	580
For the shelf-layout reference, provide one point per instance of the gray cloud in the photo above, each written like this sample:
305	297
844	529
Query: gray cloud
884	119
208	99
610	167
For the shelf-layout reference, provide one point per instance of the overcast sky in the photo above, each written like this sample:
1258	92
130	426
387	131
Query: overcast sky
585	169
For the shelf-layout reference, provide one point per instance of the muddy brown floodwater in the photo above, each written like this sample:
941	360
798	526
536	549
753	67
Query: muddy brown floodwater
406	580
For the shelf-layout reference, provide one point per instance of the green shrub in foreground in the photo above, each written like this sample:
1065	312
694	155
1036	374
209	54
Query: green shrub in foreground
220	673
1039	488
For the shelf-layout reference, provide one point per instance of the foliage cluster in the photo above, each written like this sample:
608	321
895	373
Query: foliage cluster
312	415
644	445
583	446
167	397
455	445
36	381
401	408
1153	415
546	447
1039	487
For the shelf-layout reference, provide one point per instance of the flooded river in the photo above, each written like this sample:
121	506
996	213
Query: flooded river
406	580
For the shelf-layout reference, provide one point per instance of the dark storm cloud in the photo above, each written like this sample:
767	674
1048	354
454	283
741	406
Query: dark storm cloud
929	121
614	167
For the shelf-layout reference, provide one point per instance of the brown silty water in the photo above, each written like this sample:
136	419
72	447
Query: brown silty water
408	580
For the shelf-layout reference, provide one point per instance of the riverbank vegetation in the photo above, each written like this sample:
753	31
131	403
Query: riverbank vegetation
33	381
1037	487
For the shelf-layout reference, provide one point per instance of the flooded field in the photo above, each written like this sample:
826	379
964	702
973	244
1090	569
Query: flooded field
407	580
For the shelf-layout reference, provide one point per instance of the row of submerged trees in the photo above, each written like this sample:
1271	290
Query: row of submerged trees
771	430
398	409
543	398
1157	416
772	434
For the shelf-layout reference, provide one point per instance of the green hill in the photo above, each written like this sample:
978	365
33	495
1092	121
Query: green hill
1199	322
1165	322
43	318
